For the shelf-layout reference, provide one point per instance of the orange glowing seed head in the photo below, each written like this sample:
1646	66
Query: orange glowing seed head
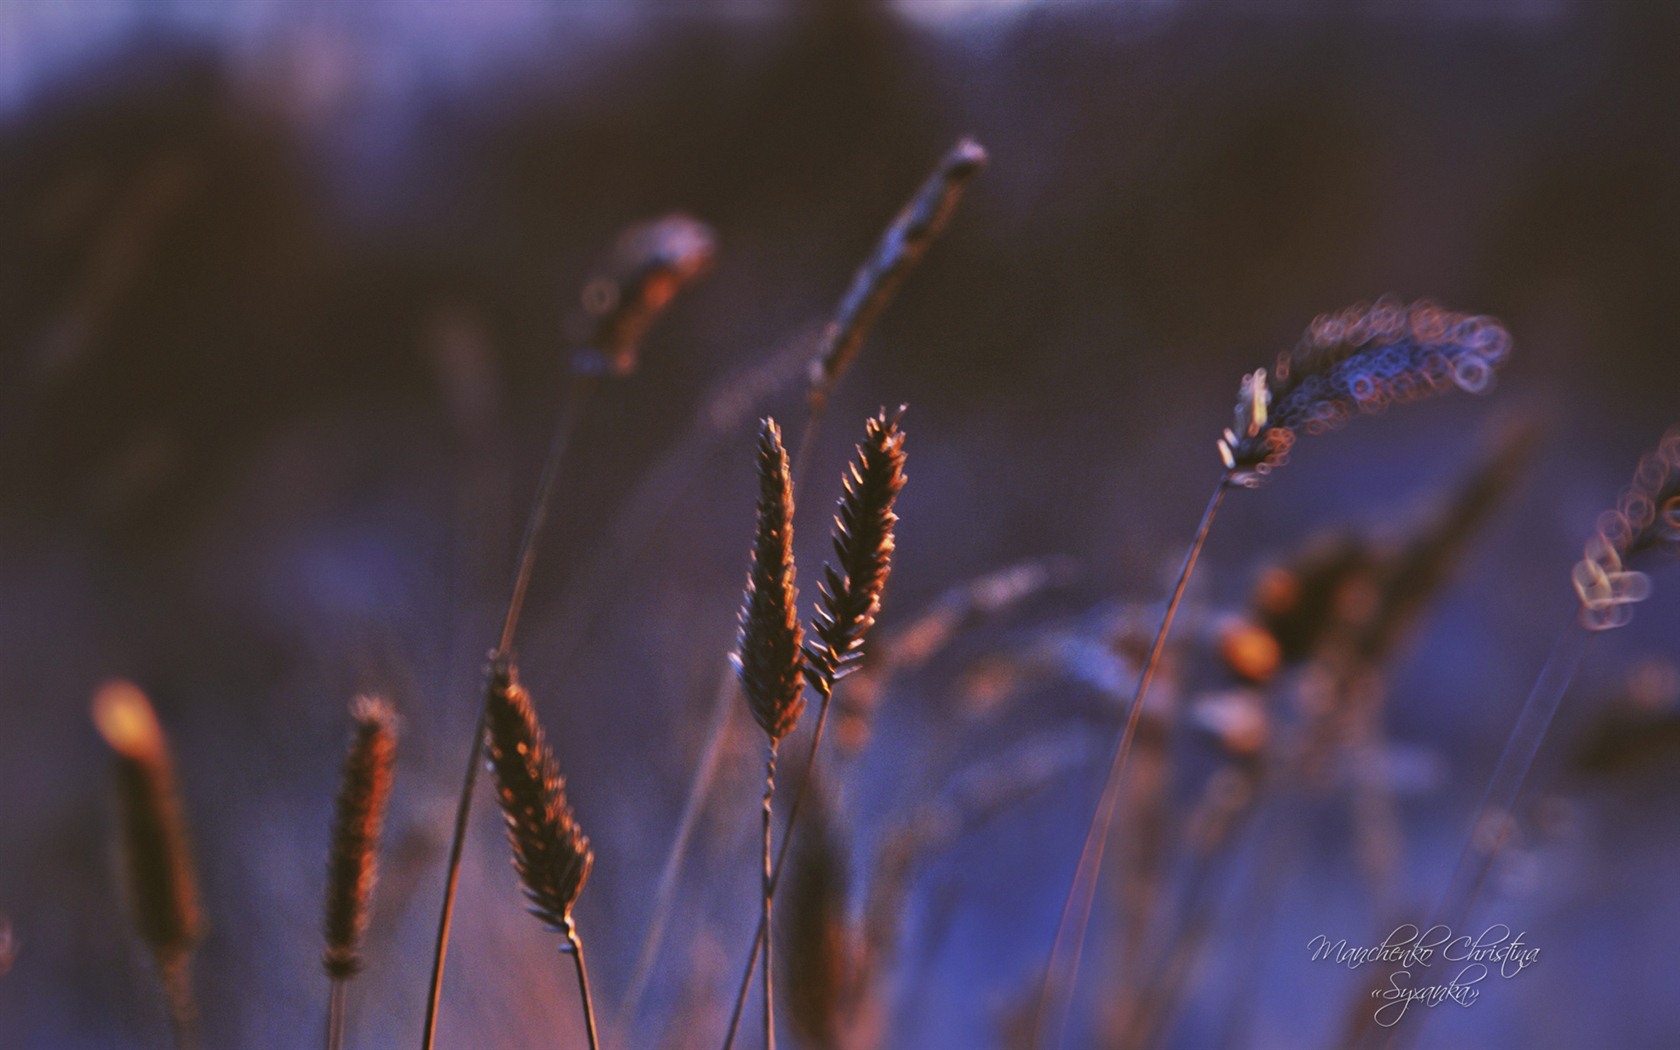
124	717
1249	651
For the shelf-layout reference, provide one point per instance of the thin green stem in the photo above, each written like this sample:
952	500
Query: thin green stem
1056	993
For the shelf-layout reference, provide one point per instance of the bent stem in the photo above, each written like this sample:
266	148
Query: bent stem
577	397
1056	993
574	948
760	938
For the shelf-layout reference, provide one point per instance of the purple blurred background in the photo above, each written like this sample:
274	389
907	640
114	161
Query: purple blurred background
284	294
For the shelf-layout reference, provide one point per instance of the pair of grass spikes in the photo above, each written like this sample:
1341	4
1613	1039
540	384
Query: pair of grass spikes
775	661
162	888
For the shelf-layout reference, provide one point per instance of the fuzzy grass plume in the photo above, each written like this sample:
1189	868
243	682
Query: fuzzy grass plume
1361	359
157	859
353	863
550	852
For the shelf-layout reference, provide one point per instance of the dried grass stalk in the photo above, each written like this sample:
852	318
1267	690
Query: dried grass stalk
353	864
770	662
550	852
649	265
157	859
901	247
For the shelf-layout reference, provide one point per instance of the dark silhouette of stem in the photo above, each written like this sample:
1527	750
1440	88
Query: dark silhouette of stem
762	944
1056	992
574	947
769	894
335	1014
775	873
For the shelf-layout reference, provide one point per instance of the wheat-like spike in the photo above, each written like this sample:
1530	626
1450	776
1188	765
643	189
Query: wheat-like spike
901	247
863	549
1359	360
353	864
769	660
550	853
650	263
157	859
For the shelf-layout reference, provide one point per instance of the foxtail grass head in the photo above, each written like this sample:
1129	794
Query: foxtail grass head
1645	521
863	549
157	861
650	263
768	659
1357	361
550	853
353	864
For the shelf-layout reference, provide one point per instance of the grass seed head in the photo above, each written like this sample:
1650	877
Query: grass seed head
353	864
550	853
769	659
1359	360
863	549
157	859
